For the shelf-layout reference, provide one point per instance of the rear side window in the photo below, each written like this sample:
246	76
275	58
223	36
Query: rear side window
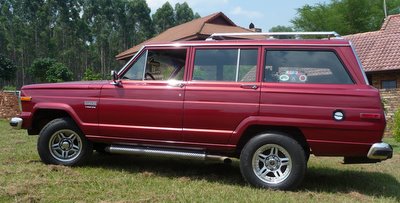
309	67
236	65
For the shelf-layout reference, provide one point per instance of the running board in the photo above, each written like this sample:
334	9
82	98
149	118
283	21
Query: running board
167	153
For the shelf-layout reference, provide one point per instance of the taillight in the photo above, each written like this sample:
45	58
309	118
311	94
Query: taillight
373	116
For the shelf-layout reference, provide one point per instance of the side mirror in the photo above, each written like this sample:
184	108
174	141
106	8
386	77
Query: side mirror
115	78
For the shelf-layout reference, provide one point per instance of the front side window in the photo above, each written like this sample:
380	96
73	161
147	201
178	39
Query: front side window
158	65
308	67
236	65
135	72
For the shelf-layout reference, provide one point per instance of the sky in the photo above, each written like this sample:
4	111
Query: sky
263	14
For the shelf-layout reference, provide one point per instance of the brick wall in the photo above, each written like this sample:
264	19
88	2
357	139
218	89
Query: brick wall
391	99
378	77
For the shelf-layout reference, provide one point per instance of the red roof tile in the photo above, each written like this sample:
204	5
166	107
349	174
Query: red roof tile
205	26
379	50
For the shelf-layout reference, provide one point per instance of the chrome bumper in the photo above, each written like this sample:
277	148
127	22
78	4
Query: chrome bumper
16	123
380	151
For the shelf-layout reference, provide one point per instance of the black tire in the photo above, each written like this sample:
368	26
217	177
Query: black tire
279	161
61	142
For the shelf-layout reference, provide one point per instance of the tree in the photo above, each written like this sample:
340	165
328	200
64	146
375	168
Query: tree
7	69
344	16
164	18
77	33
183	13
58	72
49	70
281	28
39	68
89	74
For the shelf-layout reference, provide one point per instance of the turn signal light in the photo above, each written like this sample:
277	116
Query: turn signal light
26	99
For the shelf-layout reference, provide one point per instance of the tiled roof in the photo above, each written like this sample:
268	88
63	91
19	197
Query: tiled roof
204	26
379	50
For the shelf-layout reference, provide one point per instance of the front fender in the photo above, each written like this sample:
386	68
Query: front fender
58	106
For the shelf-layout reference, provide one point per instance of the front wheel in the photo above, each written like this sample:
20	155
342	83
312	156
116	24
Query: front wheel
273	160
62	143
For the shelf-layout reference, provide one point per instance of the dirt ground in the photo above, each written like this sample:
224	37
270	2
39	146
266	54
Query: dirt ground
8	105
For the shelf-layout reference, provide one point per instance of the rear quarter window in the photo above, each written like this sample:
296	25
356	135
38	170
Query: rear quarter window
308	67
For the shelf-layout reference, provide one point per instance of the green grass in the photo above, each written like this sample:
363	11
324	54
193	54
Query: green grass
106	178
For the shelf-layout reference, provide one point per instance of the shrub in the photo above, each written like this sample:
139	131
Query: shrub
396	125
89	74
39	68
49	70
9	88
58	72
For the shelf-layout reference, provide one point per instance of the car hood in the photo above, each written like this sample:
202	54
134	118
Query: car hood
68	85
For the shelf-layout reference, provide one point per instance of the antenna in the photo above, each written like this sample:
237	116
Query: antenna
384	8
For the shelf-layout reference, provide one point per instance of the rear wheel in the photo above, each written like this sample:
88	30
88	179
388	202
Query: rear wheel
273	160
62	143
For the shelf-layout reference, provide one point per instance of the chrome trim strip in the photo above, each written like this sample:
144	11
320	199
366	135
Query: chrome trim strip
237	66
133	57
359	63
165	128
145	64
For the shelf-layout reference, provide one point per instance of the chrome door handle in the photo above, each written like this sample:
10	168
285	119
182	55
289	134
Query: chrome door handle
176	85
254	87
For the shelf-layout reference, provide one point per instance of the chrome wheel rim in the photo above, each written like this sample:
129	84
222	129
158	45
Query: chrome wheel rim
272	163
65	145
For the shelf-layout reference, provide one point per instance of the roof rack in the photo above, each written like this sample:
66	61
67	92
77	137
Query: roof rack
272	34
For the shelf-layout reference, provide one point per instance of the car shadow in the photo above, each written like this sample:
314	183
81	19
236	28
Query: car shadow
318	179
324	179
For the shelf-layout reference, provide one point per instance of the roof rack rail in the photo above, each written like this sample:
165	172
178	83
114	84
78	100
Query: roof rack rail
272	34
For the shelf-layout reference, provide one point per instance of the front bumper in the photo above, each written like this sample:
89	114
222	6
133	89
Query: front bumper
381	151
16	122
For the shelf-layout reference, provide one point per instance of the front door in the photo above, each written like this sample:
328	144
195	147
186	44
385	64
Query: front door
148	105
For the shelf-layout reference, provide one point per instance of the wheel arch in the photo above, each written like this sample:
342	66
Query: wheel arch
43	114
290	131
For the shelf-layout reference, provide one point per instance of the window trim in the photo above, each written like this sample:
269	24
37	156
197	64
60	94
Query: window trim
257	48
316	49
145	50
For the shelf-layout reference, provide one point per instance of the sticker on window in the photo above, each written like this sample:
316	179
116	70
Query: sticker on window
292	76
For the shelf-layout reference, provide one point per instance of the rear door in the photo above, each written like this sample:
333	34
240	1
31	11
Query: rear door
223	90
148	105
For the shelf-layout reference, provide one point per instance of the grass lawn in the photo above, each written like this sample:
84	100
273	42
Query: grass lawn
111	178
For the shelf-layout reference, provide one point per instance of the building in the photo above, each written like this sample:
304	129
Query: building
197	29
379	52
